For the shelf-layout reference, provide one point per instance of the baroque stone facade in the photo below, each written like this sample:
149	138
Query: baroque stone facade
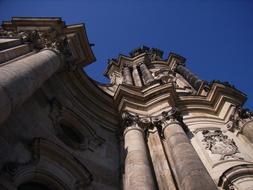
155	126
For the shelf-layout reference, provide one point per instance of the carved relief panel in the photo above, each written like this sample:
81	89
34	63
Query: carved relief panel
221	145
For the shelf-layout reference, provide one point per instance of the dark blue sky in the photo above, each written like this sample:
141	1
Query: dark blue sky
215	36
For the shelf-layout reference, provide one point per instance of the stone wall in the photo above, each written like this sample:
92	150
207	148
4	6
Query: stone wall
57	128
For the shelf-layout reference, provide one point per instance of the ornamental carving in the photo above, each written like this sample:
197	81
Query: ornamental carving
173	114
41	39
221	144
238	118
163	75
154	54
130	118
146	123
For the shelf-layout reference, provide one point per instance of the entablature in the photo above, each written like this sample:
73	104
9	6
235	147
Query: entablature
51	32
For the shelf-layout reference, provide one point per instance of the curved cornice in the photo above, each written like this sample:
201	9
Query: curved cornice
212	104
87	99
143	99
216	97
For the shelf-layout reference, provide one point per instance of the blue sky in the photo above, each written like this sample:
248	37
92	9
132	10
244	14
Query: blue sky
216	36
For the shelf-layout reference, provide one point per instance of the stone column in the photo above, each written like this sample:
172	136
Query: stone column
242	121
21	78
127	77
189	76
146	74
138	170
136	76
247	130
188	169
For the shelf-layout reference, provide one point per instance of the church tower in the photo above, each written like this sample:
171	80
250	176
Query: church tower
179	131
155	126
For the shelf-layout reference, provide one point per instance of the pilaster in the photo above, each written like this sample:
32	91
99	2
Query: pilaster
127	77
136	76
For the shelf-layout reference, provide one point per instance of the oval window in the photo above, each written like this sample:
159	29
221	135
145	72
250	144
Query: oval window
72	133
71	136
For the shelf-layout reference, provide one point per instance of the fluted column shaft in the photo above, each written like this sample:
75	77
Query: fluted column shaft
136	76
138	173
190	172
189	76
127	77
21	78
146	74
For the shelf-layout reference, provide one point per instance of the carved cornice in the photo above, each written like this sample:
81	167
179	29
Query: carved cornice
213	102
225	83
51	32
89	100
143	98
41	39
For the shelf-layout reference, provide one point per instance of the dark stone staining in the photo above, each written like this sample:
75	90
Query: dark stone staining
72	133
33	186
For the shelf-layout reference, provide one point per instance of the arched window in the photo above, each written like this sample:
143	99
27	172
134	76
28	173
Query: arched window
33	186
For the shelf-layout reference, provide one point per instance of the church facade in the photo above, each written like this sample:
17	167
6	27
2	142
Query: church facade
155	126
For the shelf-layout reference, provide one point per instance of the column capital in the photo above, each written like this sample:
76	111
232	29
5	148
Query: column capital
130	119
49	39
130	122
134	121
170	117
173	115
